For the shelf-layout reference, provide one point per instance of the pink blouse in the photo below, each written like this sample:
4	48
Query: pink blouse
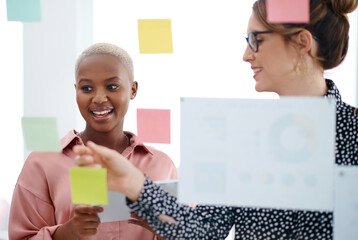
41	200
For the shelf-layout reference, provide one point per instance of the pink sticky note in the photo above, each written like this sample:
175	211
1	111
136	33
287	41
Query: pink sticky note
153	125
288	11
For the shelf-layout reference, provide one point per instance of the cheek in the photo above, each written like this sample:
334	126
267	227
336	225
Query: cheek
123	103
81	101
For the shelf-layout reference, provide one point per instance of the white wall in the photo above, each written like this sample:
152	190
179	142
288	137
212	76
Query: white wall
37	76
208	43
11	109
50	50
208	38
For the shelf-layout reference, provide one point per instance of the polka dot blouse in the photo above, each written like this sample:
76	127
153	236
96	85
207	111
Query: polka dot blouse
215	222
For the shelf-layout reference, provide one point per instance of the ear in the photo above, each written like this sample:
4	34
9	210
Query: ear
75	85
134	90
304	42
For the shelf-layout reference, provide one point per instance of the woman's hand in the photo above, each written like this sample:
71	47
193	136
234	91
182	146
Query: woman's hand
84	223
122	176
141	222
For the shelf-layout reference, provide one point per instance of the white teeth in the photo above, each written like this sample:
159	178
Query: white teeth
102	112
257	70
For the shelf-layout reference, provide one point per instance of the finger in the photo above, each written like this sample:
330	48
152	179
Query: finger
133	215
106	153
91	224
84	219
87	209
88	232
84	160
87	163
82	150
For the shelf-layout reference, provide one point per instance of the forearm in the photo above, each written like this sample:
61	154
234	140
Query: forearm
178	221
130	184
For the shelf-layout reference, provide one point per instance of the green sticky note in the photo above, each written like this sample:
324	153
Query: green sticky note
40	134
155	36
23	10
89	186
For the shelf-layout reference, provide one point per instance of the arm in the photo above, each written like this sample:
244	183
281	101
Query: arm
33	213
162	211
33	218
178	221
27	220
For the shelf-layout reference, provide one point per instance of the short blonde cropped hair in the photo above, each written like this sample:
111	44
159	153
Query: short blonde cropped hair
107	48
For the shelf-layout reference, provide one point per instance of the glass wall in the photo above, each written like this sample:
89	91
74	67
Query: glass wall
208	44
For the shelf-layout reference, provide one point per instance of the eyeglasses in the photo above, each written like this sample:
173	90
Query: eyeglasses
253	41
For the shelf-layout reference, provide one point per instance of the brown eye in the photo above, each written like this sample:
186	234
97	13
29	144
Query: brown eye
112	86
86	88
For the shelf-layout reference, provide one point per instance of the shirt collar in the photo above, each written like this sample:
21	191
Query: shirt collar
134	143
71	139
333	92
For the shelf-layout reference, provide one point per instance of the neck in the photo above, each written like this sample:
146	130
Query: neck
115	139
312	84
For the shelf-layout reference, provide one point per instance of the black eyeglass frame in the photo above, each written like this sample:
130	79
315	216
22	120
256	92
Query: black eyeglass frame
255	48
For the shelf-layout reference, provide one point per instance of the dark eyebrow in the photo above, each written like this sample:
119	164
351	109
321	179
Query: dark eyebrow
84	80
112	79
107	80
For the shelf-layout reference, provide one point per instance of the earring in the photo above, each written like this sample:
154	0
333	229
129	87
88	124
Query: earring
301	67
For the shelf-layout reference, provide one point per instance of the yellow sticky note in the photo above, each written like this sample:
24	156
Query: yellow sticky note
155	36
89	186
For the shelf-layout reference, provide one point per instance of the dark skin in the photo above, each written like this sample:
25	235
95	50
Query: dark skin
104	88
141	222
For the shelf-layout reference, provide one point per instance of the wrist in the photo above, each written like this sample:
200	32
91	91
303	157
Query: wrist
65	231
135	185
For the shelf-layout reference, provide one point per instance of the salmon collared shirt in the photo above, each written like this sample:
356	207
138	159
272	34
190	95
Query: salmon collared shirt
41	200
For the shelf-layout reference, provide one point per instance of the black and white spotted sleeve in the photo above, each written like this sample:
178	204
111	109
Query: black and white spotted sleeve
203	222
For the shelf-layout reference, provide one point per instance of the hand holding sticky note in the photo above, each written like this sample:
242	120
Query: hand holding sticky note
89	186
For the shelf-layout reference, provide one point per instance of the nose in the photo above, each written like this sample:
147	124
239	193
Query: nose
100	96
248	54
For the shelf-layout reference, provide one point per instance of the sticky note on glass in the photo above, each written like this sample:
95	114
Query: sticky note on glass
23	10
288	11
89	186
153	125
40	134
155	36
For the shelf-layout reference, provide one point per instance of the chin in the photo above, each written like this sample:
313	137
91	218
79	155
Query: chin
259	88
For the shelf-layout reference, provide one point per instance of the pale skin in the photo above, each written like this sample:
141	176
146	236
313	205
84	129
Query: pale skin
125	178
276	61
122	176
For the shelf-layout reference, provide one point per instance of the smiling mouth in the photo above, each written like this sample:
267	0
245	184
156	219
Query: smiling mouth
256	70
102	115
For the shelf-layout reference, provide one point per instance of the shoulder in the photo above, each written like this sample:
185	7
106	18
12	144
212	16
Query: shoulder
39	160
160	166
159	155
43	167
